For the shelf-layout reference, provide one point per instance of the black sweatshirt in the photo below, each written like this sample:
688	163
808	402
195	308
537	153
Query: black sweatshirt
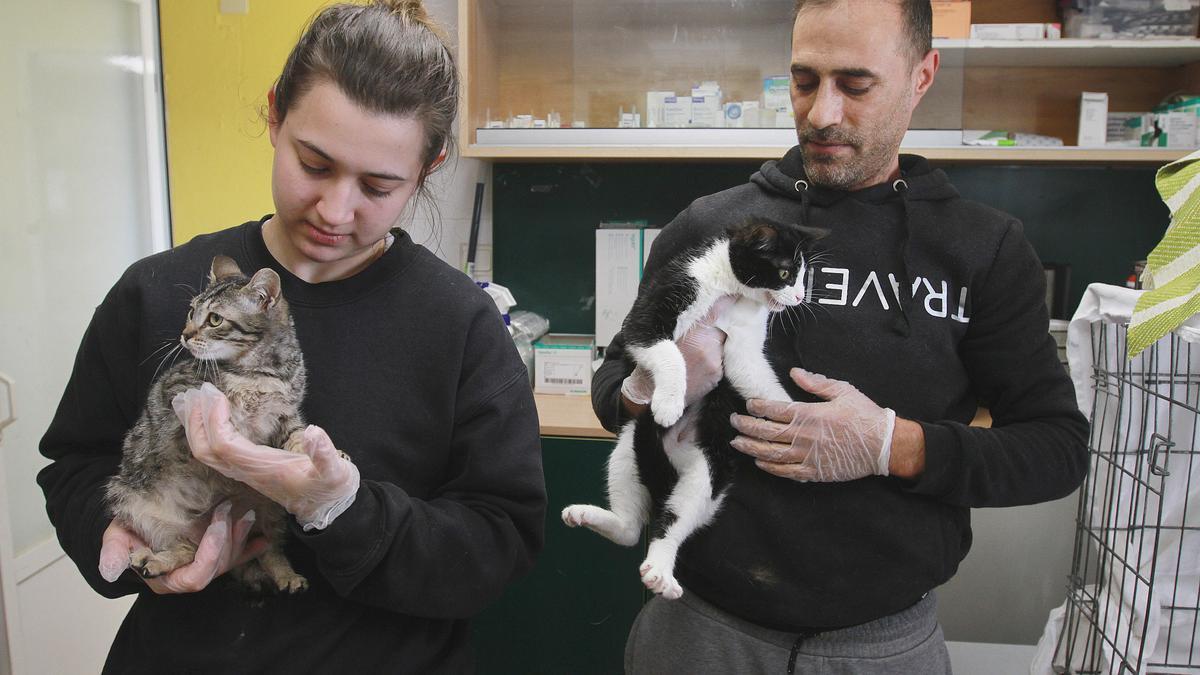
971	329
413	374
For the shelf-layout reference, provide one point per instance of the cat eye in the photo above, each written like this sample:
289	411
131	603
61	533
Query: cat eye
215	320
784	274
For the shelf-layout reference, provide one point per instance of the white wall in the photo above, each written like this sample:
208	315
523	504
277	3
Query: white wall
454	185
1014	575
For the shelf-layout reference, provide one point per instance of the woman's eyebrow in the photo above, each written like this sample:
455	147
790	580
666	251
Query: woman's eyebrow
324	155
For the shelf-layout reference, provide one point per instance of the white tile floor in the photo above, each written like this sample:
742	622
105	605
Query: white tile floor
982	658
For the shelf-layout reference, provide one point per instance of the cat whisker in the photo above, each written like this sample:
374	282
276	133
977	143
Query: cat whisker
818	259
168	355
793	322
812	308
165	345
780	320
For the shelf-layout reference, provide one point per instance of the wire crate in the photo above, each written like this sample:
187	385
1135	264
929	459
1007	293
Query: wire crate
1134	592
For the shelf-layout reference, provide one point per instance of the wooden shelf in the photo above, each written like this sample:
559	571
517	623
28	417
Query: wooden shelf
1069	53
588	60
1063	155
965	154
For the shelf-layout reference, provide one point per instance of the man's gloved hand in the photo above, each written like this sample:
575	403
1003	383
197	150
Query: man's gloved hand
314	482
222	548
702	348
844	437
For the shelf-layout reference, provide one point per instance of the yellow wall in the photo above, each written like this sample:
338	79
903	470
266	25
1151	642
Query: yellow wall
217	69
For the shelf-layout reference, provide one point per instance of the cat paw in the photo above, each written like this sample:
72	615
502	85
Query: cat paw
147	564
576	515
660	579
291	583
667	409
295	442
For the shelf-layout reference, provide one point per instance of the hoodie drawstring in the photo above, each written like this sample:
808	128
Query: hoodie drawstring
901	324
801	187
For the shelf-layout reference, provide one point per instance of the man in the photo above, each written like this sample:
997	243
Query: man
924	306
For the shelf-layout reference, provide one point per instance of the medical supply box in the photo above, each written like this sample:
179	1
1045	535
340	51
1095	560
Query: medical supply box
562	363
621	253
1133	19
951	19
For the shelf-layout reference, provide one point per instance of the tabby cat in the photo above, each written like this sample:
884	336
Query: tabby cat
672	466
242	337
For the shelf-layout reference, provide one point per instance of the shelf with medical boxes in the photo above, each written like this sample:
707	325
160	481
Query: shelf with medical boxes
708	80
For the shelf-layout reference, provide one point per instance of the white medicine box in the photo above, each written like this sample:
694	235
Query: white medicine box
562	364
1093	119
620	258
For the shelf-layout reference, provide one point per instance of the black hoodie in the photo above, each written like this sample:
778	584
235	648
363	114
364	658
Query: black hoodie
970	329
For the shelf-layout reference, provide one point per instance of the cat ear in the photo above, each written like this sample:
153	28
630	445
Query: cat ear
763	236
267	285
812	233
223	267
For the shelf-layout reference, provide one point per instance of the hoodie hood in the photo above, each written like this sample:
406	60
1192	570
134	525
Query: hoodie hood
924	182
918	182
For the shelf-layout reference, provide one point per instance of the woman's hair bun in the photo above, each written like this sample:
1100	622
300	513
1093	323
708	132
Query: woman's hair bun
413	10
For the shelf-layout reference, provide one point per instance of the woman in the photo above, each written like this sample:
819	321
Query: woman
410	373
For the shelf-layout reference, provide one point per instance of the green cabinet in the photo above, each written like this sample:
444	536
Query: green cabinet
573	612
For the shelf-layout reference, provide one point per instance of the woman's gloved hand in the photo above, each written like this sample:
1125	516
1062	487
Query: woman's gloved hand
844	437
222	547
702	348
314	482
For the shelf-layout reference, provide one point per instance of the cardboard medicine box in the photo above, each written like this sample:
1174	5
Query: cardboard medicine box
621	254
1093	119
562	364
951	19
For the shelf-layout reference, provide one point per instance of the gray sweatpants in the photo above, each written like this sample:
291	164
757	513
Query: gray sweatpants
691	636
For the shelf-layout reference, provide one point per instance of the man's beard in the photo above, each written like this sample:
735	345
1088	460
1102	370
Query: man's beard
835	172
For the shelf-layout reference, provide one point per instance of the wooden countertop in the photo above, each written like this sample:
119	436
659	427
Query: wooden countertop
572	416
563	415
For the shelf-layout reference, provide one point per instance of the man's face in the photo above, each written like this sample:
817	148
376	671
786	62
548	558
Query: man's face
854	88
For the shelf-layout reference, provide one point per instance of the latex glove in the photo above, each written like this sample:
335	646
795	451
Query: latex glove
844	437
316	483
221	548
702	347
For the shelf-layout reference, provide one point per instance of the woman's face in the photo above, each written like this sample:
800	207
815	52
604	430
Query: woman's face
341	178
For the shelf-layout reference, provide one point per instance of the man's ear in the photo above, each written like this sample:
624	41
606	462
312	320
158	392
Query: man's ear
924	73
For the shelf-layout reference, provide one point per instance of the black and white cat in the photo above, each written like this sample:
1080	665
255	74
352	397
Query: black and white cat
672	466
